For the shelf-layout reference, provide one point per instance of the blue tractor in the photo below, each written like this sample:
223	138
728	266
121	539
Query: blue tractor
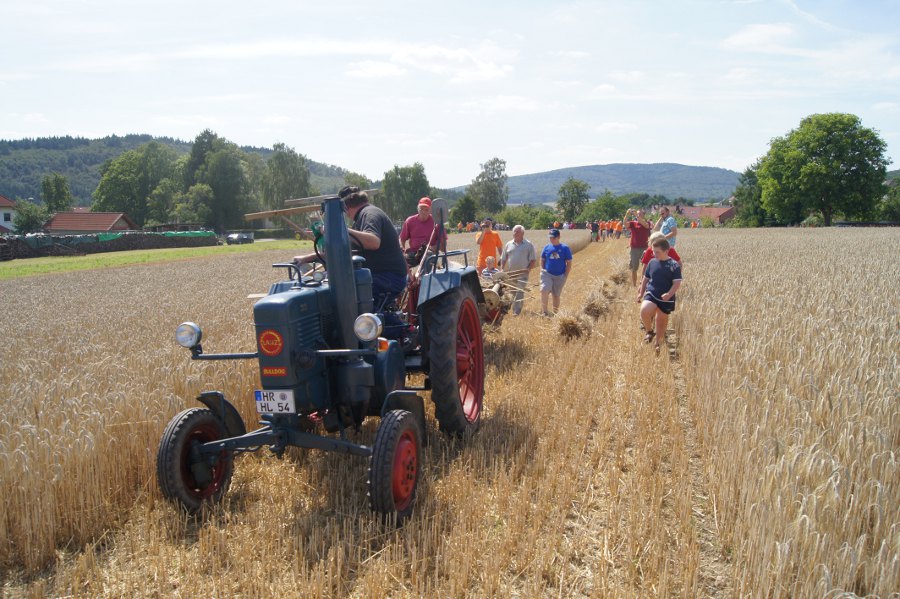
324	367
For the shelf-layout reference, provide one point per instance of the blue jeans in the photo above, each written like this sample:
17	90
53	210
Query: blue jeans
386	286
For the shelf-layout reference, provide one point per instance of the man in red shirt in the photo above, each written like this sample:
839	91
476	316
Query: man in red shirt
418	230
640	233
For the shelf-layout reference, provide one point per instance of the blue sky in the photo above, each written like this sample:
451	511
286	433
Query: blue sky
369	85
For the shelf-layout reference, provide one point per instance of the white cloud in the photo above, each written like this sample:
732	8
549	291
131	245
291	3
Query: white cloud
891	107
577	54
604	90
496	104
614	127
627	76
277	119
373	69
760	37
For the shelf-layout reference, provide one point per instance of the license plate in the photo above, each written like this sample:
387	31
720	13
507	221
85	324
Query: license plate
279	401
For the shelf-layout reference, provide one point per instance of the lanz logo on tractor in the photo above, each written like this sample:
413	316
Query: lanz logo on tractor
276	371
270	342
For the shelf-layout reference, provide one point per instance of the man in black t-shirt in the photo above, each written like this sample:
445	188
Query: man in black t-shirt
373	233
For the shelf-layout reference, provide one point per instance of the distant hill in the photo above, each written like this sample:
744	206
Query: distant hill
671	180
891	175
25	162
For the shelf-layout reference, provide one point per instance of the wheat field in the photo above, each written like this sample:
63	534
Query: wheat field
754	457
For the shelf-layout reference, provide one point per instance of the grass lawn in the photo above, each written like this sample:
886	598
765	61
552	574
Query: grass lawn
59	264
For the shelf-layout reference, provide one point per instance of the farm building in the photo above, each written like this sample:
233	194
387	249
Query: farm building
74	223
7	209
718	214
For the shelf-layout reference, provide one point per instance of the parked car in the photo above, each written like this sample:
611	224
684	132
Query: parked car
239	238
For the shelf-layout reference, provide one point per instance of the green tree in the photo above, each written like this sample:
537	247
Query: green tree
127	181
464	210
749	210
286	176
29	217
193	206
530	217
402	188
118	190
55	193
161	202
830	164
359	180
605	207
204	144
573	197
889	207
489	188
224	173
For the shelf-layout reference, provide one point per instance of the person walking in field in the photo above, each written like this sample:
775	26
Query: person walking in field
489	243
518	258
661	281
639	226
667	225
556	264
648	253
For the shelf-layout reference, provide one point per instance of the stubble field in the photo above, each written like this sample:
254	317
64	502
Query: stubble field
755	456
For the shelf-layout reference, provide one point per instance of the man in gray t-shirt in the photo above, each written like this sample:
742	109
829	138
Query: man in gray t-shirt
519	258
374	235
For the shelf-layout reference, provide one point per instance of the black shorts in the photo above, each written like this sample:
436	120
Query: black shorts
665	307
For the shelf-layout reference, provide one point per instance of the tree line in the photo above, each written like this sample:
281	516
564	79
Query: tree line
830	166
216	182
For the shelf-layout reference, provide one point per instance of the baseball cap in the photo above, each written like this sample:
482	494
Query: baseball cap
554	232
425	202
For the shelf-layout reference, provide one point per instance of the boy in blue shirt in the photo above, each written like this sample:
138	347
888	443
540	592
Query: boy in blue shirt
556	263
657	295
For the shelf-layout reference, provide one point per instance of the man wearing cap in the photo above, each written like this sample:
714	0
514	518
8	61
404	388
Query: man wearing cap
373	233
489	243
418	229
556	264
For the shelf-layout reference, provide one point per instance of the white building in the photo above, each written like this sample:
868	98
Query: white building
7	210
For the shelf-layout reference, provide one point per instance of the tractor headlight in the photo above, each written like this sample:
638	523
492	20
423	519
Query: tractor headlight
188	334
367	327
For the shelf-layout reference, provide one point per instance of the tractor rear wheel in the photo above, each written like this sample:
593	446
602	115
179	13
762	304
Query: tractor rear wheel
395	465
184	476
455	361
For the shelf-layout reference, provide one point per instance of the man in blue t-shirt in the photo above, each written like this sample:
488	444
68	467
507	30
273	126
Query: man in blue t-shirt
667	225
662	279
556	264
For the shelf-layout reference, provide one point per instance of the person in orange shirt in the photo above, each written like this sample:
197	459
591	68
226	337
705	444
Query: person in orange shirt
602	230
489	244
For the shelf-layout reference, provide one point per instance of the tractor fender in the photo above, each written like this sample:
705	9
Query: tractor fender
224	411
438	283
403	399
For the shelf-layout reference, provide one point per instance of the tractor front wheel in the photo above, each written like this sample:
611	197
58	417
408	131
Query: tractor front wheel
185	476
396	464
455	361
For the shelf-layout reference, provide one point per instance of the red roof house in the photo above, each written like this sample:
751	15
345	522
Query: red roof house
73	223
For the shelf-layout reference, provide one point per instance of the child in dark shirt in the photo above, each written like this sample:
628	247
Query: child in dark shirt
662	279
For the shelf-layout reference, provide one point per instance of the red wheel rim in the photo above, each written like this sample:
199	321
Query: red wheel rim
204	433
469	360
403	475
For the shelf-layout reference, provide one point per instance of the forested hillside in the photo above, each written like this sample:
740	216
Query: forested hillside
24	163
670	180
